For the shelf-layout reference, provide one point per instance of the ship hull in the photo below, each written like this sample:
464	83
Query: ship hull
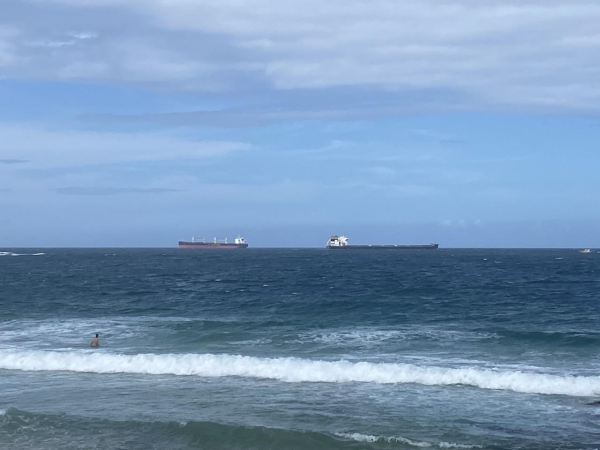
384	247
211	246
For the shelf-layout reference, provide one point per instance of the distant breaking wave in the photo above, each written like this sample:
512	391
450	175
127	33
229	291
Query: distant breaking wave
295	370
401	440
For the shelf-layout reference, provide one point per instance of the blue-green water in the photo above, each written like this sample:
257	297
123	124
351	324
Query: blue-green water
299	349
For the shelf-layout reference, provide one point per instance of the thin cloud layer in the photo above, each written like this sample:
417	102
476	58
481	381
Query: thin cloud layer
77	190
13	161
70	39
7	47
261	116
47	148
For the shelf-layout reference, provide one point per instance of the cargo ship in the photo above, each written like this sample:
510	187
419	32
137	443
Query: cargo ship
341	242
216	244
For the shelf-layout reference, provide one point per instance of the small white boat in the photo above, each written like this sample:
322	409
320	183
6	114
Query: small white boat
585	250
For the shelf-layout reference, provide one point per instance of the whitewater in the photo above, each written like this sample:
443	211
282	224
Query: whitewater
295	370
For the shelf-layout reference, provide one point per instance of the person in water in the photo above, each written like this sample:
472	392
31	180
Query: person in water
95	341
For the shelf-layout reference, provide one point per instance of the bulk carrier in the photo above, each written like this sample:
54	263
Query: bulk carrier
238	242
341	242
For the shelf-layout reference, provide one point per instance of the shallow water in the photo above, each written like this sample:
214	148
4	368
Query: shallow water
297	349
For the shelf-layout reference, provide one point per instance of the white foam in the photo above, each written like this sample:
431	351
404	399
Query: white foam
400	439
295	370
452	445
25	333
373	337
370	438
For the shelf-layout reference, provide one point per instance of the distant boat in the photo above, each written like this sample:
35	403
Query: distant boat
585	250
341	242
238	243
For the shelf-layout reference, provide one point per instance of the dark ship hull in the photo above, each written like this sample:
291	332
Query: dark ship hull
211	245
384	247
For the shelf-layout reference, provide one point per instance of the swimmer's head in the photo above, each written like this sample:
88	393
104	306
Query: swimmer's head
97	335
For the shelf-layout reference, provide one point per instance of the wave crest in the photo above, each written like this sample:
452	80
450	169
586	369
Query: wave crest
20	254
295	370
402	440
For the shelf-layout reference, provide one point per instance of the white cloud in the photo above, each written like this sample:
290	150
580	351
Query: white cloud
528	54
83	35
478	49
47	148
50	44
75	38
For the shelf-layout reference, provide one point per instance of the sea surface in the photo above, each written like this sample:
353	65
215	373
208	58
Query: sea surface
299	349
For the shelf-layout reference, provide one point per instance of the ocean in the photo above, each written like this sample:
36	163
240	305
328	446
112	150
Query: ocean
299	349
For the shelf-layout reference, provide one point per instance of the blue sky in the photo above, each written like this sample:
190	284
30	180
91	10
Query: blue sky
137	123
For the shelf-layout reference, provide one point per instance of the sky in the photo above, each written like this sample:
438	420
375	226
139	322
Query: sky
142	122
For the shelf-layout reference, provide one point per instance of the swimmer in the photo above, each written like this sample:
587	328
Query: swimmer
95	341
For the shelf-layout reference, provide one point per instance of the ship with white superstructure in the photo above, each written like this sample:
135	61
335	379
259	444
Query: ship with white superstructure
336	242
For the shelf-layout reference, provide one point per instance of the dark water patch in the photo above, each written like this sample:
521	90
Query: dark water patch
565	339
26	430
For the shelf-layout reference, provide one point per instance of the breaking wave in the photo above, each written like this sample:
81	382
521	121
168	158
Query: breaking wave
402	440
20	254
294	370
